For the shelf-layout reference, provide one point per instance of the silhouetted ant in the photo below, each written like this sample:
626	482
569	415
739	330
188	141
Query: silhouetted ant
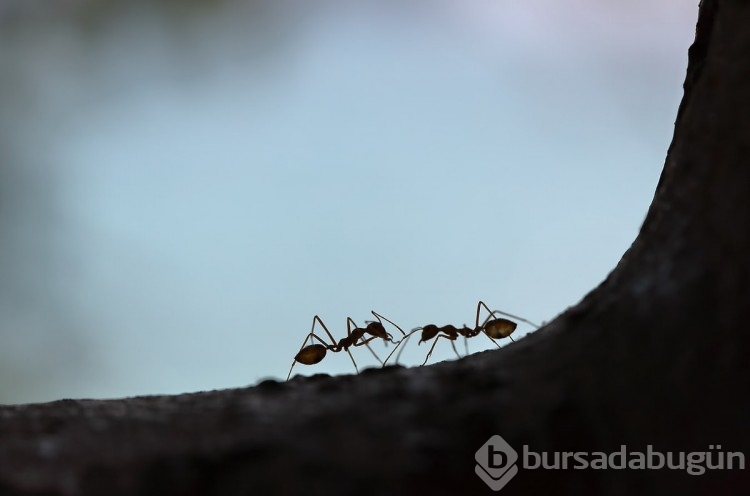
493	327
355	336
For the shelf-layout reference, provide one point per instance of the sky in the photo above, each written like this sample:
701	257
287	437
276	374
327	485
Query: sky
194	189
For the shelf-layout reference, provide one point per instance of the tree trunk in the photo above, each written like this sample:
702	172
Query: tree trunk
654	359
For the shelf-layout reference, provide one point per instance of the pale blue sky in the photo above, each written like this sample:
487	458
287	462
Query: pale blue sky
216	189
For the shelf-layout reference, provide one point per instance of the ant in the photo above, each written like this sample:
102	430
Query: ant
493	327
355	336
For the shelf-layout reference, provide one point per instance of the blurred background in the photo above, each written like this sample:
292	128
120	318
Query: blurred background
183	185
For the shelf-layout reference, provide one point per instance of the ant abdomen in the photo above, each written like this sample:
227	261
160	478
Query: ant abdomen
312	354
499	328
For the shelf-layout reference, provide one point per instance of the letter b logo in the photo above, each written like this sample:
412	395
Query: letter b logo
496	458
496	462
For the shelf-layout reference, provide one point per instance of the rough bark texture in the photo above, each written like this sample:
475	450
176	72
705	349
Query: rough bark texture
656	355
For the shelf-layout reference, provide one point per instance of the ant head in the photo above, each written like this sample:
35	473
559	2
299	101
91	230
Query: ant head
376	329
428	332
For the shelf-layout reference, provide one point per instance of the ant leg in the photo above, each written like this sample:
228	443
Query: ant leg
313	335
294	361
454	348
330	336
479	307
363	342
353	362
349	333
371	350
430	352
491	339
433	346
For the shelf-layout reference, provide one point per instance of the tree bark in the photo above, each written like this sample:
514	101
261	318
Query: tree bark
654	356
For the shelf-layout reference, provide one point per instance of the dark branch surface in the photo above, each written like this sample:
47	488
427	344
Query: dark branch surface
656	355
